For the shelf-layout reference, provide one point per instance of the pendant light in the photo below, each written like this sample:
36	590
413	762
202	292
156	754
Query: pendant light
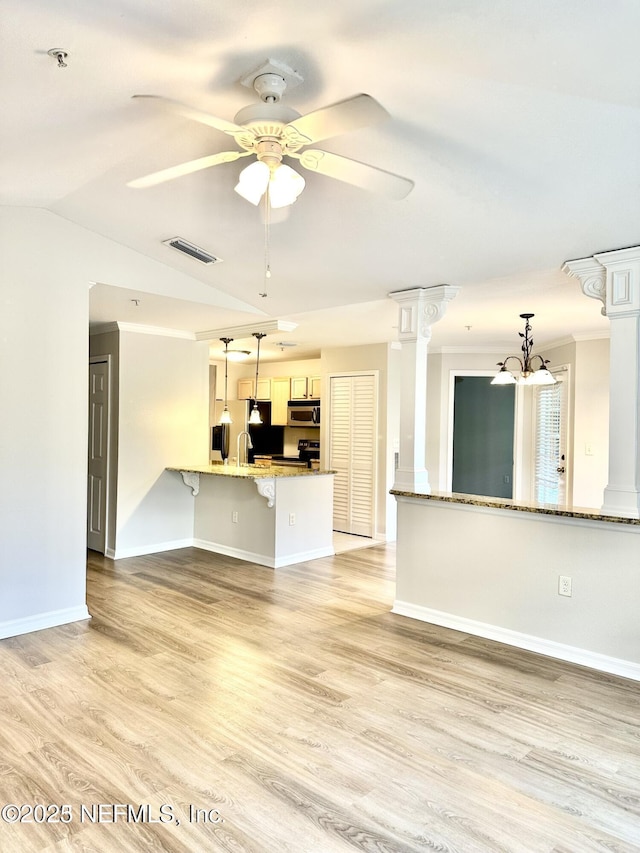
225	417
529	375
254	417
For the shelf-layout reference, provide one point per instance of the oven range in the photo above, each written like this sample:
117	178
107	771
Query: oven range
308	454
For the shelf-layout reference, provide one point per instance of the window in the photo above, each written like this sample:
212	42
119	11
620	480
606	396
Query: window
550	446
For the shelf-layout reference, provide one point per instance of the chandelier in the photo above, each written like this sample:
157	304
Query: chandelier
530	374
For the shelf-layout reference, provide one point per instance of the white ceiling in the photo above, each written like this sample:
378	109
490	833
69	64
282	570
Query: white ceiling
518	121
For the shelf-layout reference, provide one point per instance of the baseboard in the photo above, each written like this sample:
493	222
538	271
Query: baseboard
263	559
154	548
572	654
303	556
52	619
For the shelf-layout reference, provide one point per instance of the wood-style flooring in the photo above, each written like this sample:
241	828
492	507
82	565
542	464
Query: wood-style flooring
291	712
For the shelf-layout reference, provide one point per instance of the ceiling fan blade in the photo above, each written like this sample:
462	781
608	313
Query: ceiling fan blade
341	117
353	172
197	115
187	168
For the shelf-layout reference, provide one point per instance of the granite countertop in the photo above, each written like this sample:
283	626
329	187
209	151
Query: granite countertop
253	472
518	506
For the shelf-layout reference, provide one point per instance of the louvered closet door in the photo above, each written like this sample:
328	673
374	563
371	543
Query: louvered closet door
352	443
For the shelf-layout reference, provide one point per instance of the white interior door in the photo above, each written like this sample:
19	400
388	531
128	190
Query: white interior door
352	452
98	455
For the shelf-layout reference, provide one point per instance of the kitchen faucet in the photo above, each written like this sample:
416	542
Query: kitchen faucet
249	446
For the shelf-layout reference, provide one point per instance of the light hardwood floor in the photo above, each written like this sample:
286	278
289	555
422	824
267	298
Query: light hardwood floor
311	718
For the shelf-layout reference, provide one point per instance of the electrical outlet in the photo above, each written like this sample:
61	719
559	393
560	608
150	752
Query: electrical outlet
564	585
234	517
292	519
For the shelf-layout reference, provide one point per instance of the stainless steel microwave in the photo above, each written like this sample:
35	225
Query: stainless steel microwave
303	413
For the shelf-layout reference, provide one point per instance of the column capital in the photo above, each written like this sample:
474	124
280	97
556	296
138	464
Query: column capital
420	308
592	277
613	278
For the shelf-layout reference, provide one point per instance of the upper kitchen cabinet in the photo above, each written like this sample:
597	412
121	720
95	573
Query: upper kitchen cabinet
246	392
305	388
245	389
279	399
263	391
298	387
314	386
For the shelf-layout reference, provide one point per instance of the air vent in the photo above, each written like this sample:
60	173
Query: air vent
193	251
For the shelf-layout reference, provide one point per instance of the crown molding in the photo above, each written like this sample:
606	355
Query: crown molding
577	338
466	350
593	336
238	333
139	329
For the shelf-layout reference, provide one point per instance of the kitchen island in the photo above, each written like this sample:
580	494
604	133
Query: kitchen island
274	516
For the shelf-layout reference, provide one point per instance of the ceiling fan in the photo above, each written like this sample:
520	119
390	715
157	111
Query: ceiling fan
270	131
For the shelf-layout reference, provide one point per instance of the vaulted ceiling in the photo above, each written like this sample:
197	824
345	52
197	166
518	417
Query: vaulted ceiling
518	122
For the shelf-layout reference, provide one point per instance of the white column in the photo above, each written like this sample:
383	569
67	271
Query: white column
420	308
614	278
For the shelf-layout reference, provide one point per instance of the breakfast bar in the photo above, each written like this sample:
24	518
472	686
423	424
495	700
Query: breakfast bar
274	516
558	580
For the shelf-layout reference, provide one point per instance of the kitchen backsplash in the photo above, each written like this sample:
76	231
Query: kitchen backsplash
293	434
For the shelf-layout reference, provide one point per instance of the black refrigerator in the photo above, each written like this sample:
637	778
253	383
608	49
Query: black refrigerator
267	440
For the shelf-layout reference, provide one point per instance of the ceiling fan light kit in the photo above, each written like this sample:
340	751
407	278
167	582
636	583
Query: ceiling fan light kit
270	131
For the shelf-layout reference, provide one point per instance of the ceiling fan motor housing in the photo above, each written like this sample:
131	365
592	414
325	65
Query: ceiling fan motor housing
269	151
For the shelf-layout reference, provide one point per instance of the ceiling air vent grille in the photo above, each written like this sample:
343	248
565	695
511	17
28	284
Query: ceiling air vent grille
193	251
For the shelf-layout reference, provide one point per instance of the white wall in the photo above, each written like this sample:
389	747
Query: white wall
44	299
494	573
591	423
299	367
163	421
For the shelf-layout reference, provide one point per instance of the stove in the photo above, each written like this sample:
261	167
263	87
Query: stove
308	455
308	450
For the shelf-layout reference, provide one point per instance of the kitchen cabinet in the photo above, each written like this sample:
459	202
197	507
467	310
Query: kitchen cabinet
280	390
314	386
305	387
245	389
246	392
298	387
264	389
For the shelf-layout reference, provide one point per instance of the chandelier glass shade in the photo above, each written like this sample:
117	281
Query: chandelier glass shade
532	368
283	184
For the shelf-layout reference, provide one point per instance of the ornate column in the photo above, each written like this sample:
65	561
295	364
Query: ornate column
420	308
614	279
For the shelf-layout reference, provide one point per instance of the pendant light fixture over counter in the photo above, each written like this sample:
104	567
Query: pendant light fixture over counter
225	417
254	417
529	375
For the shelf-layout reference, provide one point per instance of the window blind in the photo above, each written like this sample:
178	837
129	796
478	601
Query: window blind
550	443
